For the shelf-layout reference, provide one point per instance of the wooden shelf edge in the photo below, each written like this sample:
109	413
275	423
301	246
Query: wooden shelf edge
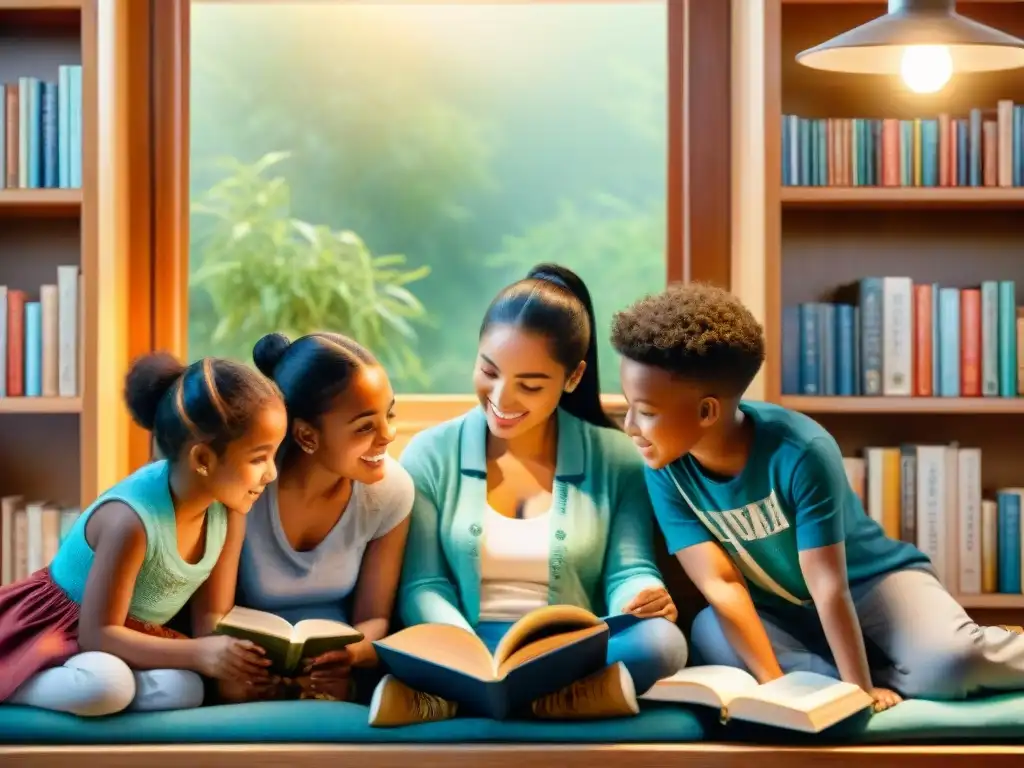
40	202
991	601
40	405
40	5
901	197
937	405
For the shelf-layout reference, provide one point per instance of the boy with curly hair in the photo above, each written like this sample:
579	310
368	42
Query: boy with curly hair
754	502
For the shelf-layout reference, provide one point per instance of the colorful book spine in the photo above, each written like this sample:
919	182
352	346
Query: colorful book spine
931	496
982	148
891	337
40	339
41	131
1008	540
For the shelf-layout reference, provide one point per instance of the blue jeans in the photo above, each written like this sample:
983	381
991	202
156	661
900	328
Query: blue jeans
650	649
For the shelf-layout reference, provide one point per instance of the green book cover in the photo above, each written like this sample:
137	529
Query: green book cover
287	644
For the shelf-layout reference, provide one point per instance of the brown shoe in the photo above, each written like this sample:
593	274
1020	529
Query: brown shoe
608	693
395	703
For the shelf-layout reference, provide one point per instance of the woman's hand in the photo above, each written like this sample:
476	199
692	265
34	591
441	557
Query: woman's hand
329	674
884	698
652	602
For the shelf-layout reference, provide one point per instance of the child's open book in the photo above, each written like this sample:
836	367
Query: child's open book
286	645
800	701
544	651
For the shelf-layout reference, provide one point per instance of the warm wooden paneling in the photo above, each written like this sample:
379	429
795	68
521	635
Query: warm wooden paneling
700	755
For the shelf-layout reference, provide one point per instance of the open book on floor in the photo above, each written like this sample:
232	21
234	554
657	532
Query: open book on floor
546	650
286	644
799	701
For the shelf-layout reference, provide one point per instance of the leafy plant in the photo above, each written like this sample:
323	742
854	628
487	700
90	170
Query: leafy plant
258	269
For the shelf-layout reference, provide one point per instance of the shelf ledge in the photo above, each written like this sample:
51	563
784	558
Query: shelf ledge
881	198
40	202
964	405
40	405
991	601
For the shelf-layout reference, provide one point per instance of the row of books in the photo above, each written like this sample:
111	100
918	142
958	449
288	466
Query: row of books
931	496
40	339
983	149
41	132
30	533
889	336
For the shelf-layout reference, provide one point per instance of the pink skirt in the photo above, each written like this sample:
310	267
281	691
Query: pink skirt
39	629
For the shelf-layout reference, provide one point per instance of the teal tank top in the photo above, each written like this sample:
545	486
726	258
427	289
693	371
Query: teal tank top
166	581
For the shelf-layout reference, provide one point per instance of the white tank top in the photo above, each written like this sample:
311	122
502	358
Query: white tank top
514	559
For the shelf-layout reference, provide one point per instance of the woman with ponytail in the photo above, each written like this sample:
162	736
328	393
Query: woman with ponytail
86	635
535	498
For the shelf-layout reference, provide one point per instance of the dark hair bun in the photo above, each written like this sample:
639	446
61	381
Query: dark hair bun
268	352
150	378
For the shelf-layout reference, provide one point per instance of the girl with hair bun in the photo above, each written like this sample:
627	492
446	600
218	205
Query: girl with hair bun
86	635
327	539
535	498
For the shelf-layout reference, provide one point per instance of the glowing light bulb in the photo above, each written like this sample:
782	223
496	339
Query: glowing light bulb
926	68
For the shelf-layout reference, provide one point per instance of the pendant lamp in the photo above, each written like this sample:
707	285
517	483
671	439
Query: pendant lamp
924	41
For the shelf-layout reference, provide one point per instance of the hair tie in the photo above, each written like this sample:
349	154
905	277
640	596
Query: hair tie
550	277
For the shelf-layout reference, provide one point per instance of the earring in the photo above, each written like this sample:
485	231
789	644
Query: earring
202	471
308	449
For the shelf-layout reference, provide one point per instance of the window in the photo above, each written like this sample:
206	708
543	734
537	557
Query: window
383	170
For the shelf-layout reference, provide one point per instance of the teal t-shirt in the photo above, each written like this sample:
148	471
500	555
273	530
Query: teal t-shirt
793	494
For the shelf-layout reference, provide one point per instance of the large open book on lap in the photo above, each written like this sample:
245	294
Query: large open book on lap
800	701
546	650
286	644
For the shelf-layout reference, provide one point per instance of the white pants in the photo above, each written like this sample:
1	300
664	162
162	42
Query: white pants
932	649
93	684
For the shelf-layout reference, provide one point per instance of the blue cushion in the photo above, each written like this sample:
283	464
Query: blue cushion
996	719
327	722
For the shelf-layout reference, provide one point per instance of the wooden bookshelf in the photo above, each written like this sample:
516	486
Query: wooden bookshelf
819	239
49	445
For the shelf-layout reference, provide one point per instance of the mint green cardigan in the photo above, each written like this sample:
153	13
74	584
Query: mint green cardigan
601	534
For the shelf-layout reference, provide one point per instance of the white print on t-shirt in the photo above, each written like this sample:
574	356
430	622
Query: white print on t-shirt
752	522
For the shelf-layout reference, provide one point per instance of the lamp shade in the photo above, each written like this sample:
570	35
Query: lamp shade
877	47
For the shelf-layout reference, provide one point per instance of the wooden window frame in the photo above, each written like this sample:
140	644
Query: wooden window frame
698	173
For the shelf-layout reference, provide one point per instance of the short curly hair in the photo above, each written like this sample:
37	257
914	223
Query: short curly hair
696	331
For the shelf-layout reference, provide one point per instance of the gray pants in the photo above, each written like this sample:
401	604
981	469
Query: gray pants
922	644
94	684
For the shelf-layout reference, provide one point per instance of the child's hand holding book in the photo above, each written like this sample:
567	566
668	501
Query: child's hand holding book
329	674
222	657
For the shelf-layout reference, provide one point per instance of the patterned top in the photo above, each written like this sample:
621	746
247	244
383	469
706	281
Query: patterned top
165	582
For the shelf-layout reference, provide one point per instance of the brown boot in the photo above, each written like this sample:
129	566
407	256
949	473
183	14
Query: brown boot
395	703
608	693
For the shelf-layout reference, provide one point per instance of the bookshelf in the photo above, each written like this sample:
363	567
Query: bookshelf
821	238
49	445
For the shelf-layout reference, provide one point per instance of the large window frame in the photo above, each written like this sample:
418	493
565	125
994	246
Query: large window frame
698	175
